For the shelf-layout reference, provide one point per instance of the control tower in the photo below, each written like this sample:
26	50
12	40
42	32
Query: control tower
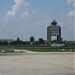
54	30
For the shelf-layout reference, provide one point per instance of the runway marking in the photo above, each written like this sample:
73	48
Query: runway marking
60	65
15	60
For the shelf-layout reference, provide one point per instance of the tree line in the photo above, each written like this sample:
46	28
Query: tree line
20	42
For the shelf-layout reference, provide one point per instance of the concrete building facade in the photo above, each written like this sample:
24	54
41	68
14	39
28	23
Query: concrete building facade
54	30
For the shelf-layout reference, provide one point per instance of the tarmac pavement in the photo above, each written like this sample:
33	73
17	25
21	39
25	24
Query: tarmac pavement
37	64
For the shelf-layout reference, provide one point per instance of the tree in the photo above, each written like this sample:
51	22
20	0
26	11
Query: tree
5	42
41	41
31	39
18	41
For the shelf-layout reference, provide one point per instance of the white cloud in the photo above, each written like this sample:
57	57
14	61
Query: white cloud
71	2
22	21
67	25
71	13
21	9
18	1
67	22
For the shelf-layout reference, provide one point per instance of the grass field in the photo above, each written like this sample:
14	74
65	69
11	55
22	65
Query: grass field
42	49
37	48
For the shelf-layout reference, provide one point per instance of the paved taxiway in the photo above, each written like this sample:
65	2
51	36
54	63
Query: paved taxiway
37	64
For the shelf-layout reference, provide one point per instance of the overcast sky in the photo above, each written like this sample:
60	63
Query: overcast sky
26	18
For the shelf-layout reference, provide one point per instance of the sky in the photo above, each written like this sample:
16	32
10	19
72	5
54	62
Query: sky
26	18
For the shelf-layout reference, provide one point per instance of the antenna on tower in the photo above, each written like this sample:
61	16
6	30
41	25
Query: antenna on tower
54	22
